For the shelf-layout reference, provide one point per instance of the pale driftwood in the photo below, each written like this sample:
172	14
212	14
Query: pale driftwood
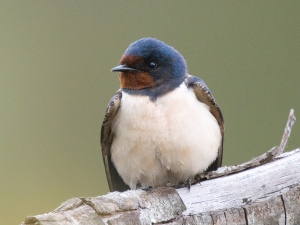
268	194
265	193
287	131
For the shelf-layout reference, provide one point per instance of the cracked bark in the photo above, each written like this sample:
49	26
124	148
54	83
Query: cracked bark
266	190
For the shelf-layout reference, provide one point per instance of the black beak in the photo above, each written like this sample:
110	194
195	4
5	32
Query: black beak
122	68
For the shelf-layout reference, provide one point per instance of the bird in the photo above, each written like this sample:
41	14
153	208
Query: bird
163	126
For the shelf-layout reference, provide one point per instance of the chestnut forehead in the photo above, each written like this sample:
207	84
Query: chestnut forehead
131	59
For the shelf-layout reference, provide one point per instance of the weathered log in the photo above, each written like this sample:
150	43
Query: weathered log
266	192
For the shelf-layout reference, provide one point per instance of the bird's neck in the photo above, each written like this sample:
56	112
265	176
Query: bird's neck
151	89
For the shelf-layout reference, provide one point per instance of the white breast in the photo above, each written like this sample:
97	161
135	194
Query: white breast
165	141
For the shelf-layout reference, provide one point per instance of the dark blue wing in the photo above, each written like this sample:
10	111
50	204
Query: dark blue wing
115	182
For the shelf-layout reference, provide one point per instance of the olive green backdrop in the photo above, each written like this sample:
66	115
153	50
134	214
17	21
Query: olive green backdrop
55	82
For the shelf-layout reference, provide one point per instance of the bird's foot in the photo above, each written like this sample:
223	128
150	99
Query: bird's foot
188	183
148	188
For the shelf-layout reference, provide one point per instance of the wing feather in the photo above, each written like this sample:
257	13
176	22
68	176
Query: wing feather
115	182
204	95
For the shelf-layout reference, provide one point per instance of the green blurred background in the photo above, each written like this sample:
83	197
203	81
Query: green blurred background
55	61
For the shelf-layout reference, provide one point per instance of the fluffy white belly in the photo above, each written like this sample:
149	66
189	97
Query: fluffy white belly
166	141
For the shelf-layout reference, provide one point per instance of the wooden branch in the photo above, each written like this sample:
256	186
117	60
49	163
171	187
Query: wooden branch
287	131
266	192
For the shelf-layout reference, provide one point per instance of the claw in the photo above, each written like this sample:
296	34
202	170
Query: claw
149	188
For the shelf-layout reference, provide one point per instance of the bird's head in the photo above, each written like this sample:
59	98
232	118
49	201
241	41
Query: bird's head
148	63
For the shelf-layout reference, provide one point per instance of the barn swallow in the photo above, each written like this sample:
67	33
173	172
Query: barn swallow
163	126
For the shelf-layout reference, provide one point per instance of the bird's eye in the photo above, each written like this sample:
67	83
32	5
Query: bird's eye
152	65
